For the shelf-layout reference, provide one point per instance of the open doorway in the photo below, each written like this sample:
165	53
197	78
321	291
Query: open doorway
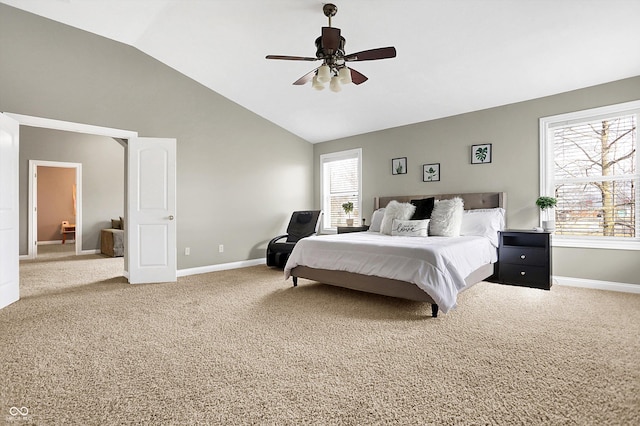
99	163
150	200
55	195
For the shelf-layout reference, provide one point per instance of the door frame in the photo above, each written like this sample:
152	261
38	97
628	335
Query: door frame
9	214
32	232
119	135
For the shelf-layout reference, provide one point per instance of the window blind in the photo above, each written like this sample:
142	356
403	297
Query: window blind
340	184
595	177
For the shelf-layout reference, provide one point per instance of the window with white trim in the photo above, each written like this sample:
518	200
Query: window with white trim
589	163
341	182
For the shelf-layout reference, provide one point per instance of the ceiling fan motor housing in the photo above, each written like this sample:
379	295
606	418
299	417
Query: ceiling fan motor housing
323	52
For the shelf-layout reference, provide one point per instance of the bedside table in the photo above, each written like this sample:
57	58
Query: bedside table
347	229
524	258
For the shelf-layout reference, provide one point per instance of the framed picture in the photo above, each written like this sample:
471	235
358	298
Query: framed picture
431	172
481	154
399	166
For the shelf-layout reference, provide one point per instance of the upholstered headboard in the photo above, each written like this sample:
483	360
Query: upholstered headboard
473	200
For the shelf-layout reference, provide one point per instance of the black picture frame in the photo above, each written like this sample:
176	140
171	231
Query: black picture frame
481	153
431	172
399	166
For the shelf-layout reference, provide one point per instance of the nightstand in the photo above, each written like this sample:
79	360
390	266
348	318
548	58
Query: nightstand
347	229
524	259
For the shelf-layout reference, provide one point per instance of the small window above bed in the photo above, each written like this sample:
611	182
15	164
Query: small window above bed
340	182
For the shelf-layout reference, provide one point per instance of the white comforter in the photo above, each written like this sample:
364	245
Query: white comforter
438	265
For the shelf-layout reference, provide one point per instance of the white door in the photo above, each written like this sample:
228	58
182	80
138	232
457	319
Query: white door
150	225
9	224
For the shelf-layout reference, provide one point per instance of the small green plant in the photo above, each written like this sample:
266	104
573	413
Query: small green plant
348	208
481	153
546	203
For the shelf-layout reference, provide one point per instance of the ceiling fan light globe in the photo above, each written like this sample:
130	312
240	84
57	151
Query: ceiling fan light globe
324	74
335	84
316	84
345	75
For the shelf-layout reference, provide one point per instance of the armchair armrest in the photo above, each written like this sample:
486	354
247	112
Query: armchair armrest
279	237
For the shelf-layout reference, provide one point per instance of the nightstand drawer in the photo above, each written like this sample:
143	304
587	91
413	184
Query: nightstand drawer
524	255
537	276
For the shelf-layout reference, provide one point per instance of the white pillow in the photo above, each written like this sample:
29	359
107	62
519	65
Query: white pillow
395	210
446	218
410	228
376	220
484	223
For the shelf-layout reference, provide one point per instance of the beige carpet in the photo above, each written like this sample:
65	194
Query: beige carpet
244	347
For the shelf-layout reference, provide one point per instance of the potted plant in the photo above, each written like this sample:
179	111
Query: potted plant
348	208
547	203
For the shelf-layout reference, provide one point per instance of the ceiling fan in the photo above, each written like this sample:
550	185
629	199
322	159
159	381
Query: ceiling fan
330	50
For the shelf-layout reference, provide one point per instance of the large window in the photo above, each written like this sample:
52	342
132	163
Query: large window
341	182
589	162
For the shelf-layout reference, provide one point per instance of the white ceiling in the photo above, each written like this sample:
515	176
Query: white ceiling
454	56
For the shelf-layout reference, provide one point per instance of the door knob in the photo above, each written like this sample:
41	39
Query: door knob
171	217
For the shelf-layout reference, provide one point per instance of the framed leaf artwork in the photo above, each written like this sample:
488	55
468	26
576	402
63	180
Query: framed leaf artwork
399	166
481	154
431	172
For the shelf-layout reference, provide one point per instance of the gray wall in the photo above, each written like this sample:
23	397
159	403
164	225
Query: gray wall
513	131
239	177
102	162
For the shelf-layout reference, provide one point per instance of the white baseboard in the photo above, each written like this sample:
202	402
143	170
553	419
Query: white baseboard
599	285
95	251
221	267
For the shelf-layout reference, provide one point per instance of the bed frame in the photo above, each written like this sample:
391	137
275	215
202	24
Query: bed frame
396	288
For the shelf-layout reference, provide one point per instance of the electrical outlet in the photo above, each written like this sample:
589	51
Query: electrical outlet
221	248
187	251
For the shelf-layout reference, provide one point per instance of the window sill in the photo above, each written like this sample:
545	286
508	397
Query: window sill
609	244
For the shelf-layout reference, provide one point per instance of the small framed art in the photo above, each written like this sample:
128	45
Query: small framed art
481	154
431	172
399	166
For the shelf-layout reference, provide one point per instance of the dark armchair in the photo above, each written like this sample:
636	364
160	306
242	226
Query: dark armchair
302	224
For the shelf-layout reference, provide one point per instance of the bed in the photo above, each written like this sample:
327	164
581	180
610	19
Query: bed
306	263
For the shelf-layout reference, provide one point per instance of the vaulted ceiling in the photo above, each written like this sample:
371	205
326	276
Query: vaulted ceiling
453	56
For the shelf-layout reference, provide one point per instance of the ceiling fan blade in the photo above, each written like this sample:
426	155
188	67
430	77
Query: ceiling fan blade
356	77
330	38
291	58
373	54
305	78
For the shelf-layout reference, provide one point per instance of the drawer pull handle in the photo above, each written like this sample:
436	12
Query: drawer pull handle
522	256
523	273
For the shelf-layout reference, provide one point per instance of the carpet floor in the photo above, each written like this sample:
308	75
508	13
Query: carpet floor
244	347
